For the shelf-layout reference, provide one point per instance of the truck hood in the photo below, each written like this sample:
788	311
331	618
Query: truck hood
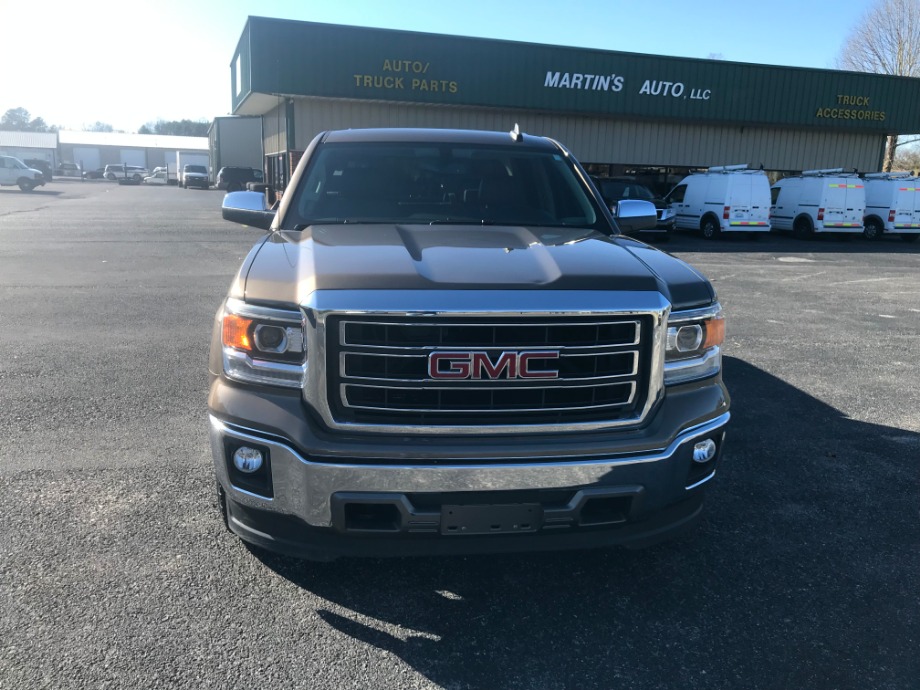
289	266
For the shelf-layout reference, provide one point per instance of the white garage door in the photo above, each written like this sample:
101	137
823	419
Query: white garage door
87	157
134	157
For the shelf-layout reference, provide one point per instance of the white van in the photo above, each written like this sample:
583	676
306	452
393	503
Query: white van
892	205
819	201
725	198
14	172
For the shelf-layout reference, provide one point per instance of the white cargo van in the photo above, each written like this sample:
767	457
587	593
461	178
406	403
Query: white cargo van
725	198
819	201
892	205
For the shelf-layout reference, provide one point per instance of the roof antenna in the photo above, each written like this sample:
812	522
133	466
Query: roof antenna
516	133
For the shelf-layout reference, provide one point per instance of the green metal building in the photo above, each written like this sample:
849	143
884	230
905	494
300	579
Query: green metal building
618	112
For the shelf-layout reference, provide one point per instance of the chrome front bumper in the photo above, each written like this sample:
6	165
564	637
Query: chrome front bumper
304	487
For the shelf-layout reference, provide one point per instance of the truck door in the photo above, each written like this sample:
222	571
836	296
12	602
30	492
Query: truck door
844	203
9	173
740	202
784	198
675	200
906	206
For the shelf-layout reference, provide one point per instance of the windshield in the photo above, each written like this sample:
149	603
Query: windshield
411	182
614	190
196	169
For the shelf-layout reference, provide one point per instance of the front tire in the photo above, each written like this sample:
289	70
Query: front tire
873	230
26	186
710	228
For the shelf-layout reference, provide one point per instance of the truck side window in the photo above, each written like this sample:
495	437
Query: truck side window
774	194
677	194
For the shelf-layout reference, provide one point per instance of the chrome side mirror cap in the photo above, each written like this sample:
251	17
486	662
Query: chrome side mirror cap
247	208
633	215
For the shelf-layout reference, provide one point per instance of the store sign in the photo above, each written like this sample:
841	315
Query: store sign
614	82
851	108
587	82
405	75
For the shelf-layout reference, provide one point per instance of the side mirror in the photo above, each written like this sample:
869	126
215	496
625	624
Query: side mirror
247	208
633	215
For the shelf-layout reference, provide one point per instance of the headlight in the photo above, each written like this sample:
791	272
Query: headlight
694	344
263	345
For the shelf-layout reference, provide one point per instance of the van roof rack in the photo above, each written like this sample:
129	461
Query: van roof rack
727	168
823	171
888	175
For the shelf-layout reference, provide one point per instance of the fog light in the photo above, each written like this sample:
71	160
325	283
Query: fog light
249	460
704	451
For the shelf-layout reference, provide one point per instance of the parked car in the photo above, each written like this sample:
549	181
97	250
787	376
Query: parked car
96	174
132	172
819	201
616	189
195	176
892	206
724	198
43	166
235	179
14	172
68	170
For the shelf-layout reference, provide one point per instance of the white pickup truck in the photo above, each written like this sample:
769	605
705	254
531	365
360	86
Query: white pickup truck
161	175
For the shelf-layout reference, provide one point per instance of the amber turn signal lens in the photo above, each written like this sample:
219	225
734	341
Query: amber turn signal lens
715	332
236	332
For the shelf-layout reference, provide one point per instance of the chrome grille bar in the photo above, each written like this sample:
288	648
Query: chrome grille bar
631	387
382	366
422	359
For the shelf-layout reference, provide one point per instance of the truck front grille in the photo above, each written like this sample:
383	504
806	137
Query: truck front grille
510	371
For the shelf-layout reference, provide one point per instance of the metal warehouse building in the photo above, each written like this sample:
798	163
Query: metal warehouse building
617	112
91	150
29	145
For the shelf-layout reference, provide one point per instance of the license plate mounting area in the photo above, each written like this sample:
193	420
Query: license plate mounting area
491	519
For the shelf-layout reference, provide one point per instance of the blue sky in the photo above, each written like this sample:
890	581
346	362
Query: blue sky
127	62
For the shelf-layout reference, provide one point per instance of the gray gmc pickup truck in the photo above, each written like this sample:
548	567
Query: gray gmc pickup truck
445	345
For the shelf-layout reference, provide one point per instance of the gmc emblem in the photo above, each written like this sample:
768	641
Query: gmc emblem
478	365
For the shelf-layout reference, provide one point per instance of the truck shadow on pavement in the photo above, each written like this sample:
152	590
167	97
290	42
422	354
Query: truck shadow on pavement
802	574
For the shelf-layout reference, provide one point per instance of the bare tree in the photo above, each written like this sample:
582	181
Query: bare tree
908	160
886	41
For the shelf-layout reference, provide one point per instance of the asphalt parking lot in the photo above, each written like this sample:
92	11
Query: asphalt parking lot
115	571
